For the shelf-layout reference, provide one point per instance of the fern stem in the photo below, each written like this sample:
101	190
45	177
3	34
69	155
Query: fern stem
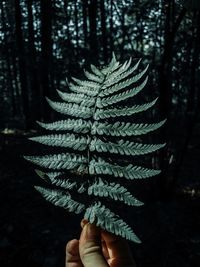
93	119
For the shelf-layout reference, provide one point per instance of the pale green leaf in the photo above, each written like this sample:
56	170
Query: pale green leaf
77	126
63	140
77	98
124	128
102	188
64	161
107	220
71	109
104	102
129	172
124	147
61	199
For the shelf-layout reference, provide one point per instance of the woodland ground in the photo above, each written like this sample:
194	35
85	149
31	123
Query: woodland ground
33	233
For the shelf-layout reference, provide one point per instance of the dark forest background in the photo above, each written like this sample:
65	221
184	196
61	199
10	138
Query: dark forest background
43	42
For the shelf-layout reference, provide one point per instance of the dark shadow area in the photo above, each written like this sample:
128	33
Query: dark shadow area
34	232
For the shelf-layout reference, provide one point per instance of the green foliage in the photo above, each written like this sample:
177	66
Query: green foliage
95	132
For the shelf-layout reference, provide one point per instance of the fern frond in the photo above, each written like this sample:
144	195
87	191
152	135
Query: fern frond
103	217
104	102
82	89
77	126
41	174
112	66
102	188
126	111
47	175
124	129
122	85
129	172
92	85
81	189
77	98
116	73
93	105
71	109
52	175
79	143
93	77
113	80
96	71
66	184
61	199
64	161
123	147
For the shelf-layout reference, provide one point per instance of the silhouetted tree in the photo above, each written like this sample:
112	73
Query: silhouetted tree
46	54
22	63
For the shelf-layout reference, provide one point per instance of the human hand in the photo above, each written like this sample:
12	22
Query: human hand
98	248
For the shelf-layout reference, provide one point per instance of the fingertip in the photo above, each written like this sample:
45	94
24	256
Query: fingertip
117	246
72	254
83	222
90	232
72	246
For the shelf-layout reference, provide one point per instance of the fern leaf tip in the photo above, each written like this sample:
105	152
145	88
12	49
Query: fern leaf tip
28	158
40	189
48	99
40	173
32	138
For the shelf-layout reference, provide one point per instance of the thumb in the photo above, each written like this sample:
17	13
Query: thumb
90	247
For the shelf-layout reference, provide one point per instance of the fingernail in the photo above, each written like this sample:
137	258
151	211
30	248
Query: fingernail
84	222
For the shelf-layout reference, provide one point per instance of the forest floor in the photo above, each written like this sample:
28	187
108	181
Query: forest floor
34	233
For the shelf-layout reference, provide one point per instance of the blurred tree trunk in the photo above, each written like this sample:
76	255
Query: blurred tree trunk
123	27
194	64
85	23
111	26
67	14
125	34
8	69
198	70
46	55
22	64
141	33
165	85
103	30
92	11
76	28
33	74
192	104
15	80
165	67
166	61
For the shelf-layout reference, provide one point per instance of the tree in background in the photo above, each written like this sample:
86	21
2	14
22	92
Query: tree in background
43	42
